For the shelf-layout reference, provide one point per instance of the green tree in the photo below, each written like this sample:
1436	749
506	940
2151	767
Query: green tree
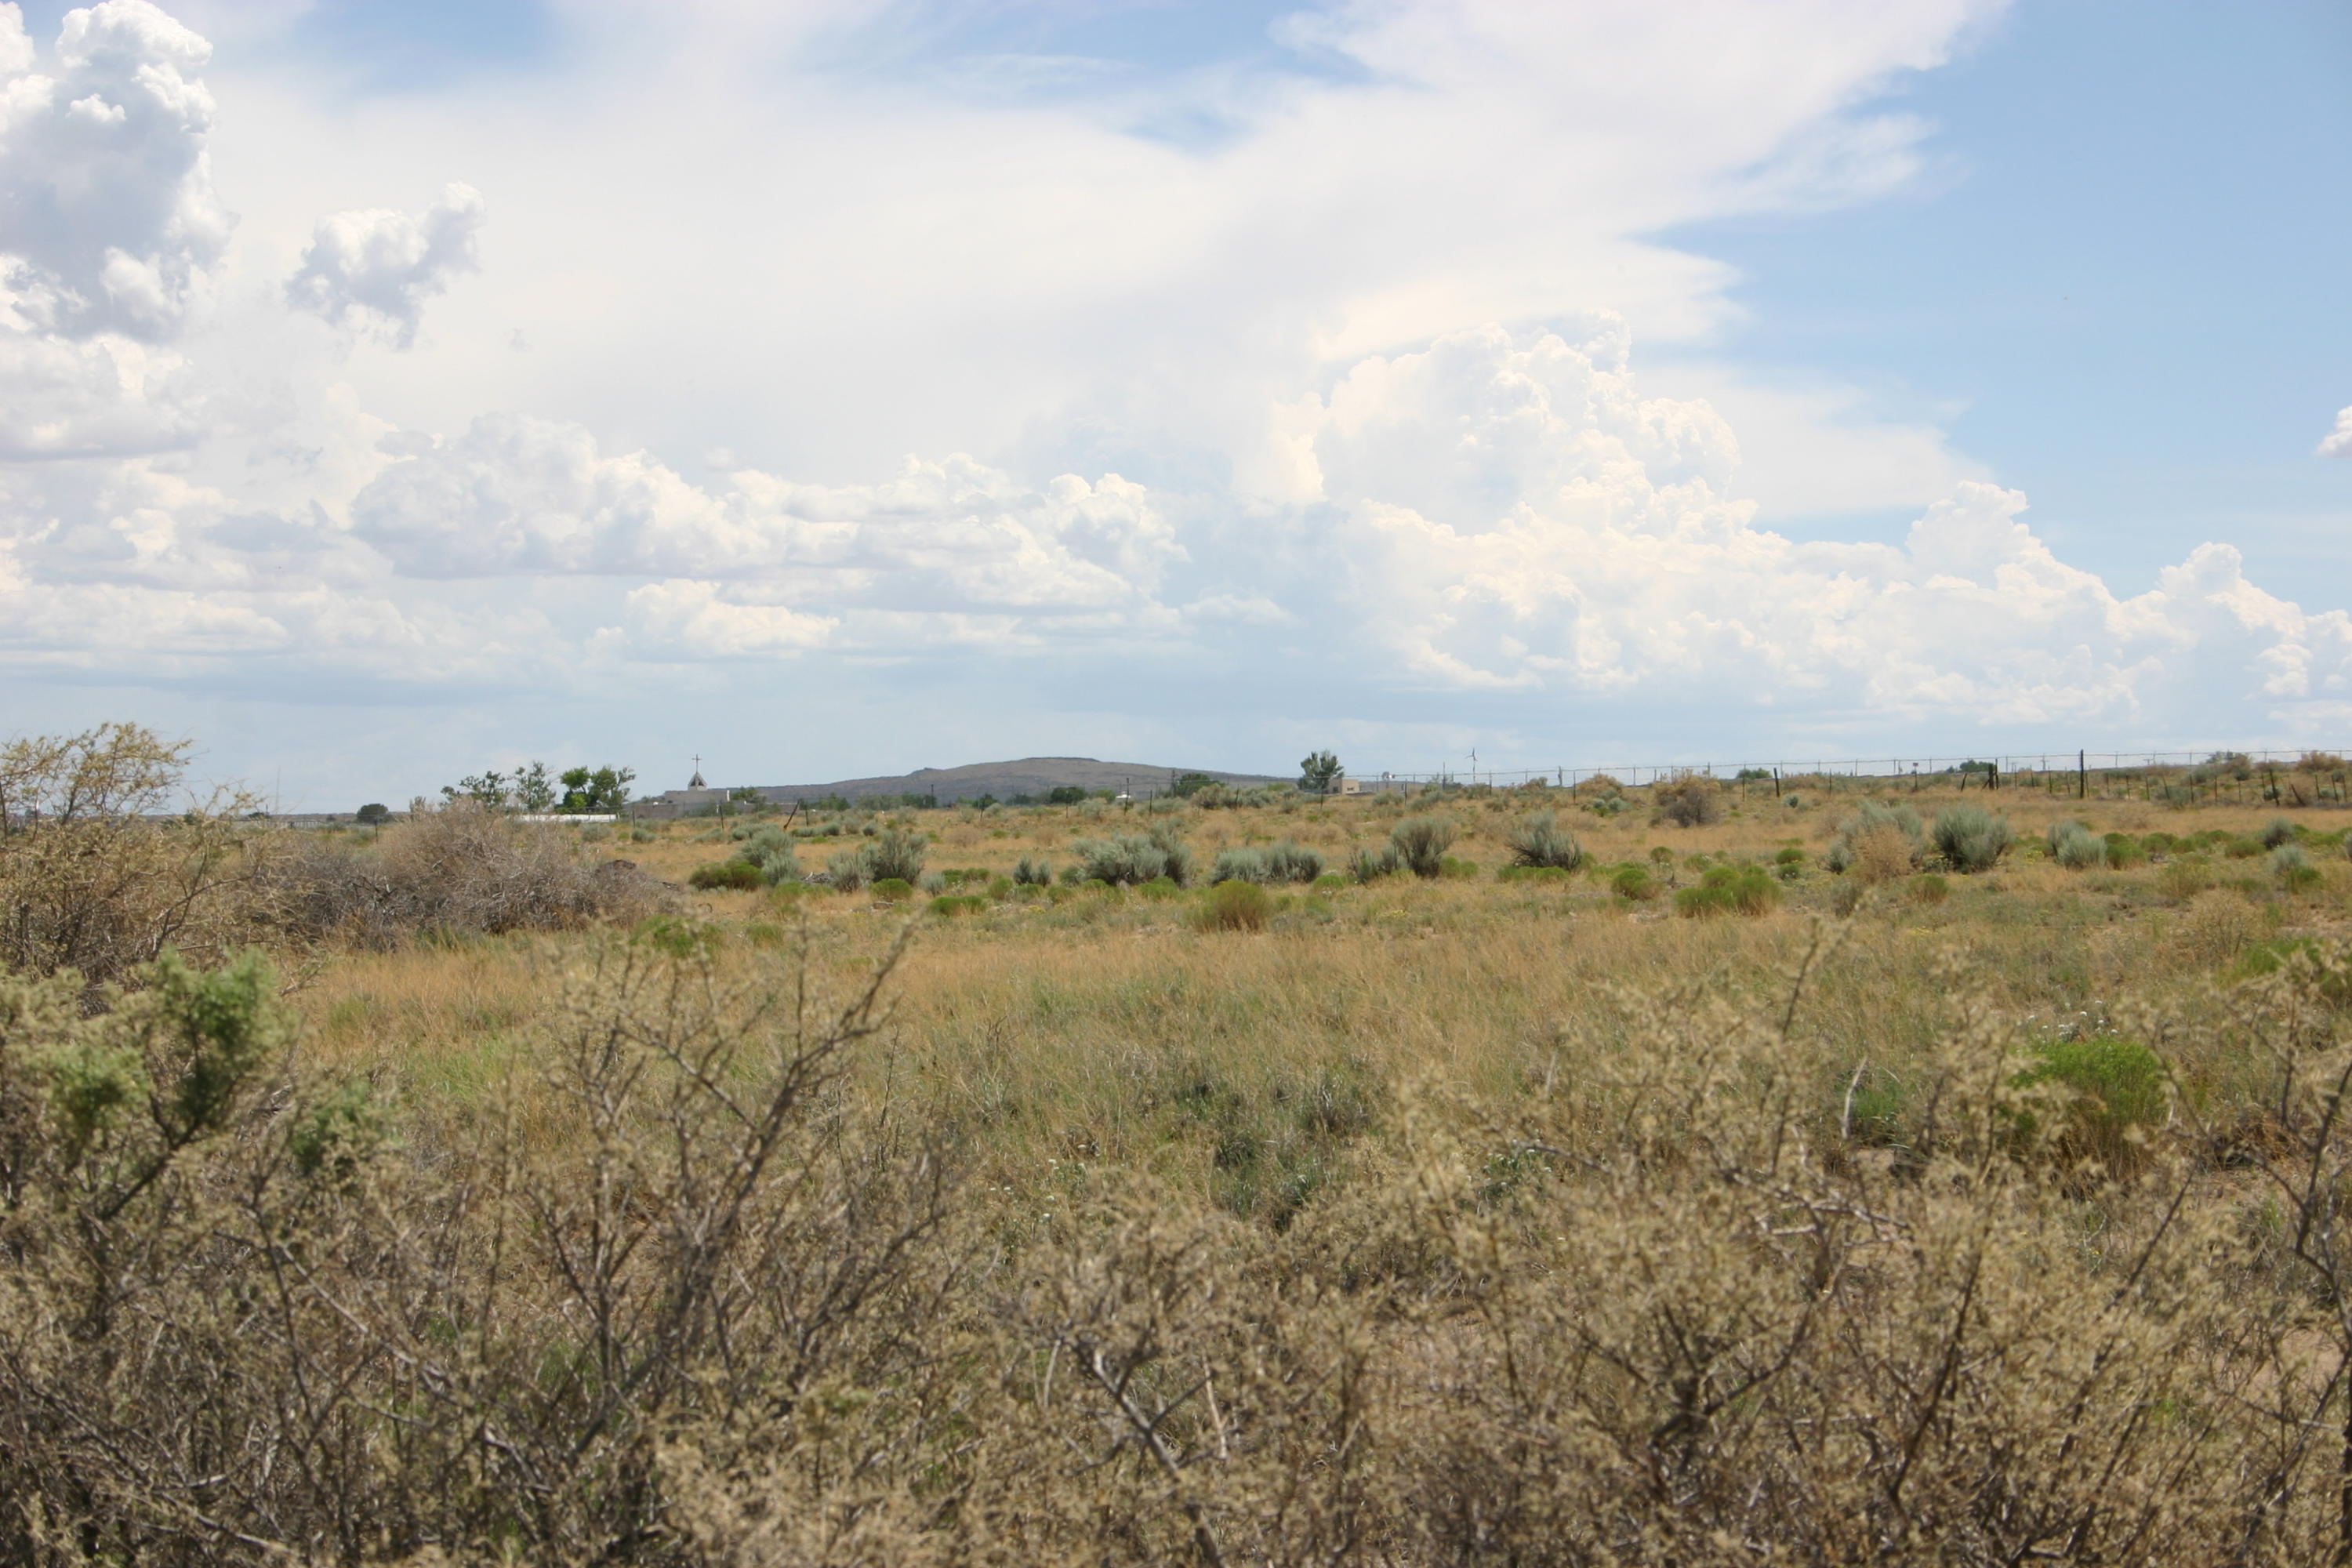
1318	772
489	787
597	790
1192	784
374	813
534	790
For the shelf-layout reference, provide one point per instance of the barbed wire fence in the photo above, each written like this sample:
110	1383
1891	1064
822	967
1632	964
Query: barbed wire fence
2299	776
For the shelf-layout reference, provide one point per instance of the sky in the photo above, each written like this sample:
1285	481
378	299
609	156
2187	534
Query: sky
392	391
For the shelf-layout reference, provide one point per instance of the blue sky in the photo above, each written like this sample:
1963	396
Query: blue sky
394	390
2122	276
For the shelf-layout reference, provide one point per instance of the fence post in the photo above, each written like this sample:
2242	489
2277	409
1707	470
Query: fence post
2082	775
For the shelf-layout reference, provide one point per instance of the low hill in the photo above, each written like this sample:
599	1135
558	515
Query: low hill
1029	776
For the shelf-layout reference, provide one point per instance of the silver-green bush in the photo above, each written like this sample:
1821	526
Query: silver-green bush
1971	838
1421	842
895	853
1539	840
1132	859
2076	848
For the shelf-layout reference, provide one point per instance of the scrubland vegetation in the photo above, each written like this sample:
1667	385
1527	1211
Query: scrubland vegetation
1663	1175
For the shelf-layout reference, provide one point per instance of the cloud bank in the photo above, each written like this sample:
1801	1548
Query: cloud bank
1318	421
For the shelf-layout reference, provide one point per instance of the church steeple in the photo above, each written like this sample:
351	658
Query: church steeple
696	781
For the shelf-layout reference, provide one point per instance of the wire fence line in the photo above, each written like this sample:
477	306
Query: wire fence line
2302	772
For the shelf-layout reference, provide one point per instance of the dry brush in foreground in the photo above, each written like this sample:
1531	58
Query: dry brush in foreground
676	1295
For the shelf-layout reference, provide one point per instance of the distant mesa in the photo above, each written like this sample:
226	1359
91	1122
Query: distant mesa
1029	776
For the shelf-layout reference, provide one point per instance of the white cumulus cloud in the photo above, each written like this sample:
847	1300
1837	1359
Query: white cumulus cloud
513	495
112	216
2338	443
375	268
1515	516
111	234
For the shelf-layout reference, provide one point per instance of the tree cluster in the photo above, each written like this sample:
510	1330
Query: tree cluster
577	791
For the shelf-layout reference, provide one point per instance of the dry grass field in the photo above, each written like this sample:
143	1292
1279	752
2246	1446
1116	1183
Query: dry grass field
1057	1028
1802	1197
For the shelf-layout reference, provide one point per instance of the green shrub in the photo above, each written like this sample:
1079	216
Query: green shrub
2118	1086
1971	838
1929	889
2277	831
1329	882
1289	862
1421	842
1132	859
724	874
1160	890
1240	864
2124	851
1633	883
2075	847
948	905
1283	862
1729	890
1370	866
1533	874
1792	856
1540	842
895	856
2293	867
2239	846
640	836
1458	870
1233	906
893	889
1033	872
